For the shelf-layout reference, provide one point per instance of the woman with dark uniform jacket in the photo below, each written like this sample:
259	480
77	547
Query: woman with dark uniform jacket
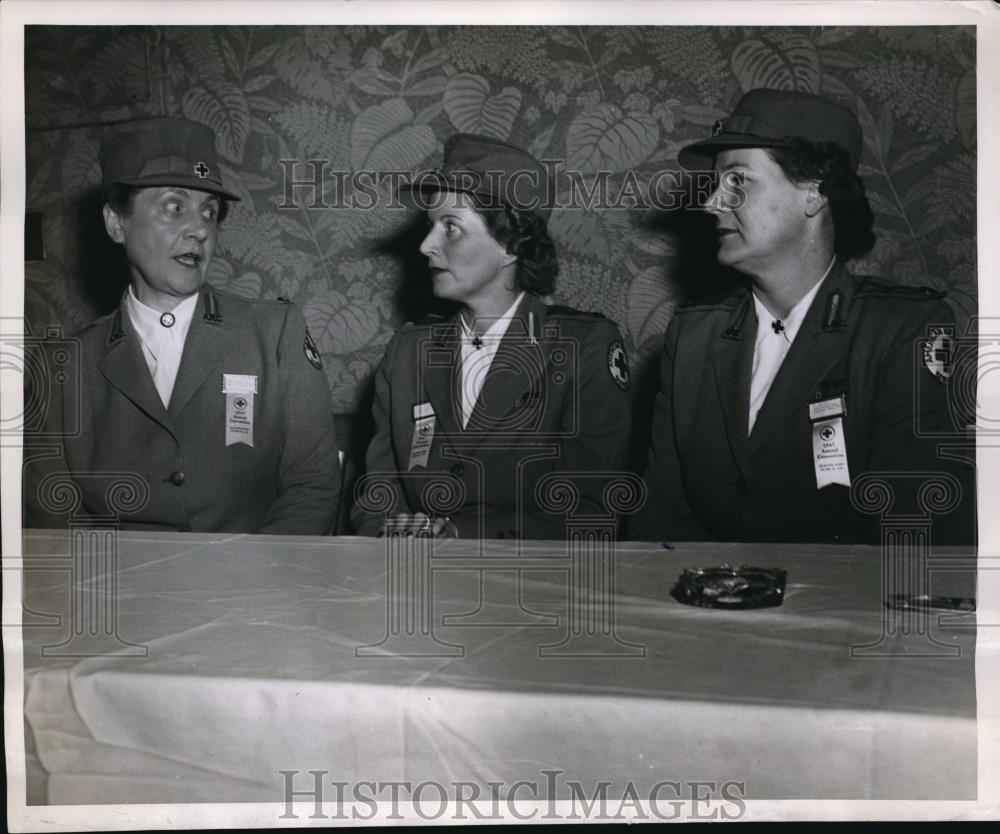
477	414
194	410
780	400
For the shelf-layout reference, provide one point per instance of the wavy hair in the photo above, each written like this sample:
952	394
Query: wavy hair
827	163
526	236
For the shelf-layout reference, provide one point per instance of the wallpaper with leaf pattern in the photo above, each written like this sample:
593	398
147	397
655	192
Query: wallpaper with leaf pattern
380	98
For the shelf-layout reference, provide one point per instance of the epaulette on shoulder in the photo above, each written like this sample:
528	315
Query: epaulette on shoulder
281	300
94	325
571	312
427	320
720	301
875	288
228	299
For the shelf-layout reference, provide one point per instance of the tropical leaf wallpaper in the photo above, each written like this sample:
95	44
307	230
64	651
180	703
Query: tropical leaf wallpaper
611	105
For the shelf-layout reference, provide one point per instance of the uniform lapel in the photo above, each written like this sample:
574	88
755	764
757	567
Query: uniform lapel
732	360
208	342
124	366
516	371
440	368
815	351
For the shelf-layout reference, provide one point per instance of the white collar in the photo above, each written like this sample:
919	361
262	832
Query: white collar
496	331
793	321
148	322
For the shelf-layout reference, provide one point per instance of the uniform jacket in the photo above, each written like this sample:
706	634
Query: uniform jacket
860	338
287	482
551	405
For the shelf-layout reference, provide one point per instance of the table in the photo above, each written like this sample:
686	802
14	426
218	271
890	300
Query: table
238	657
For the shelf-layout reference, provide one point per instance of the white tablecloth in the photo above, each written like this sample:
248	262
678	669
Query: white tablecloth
252	666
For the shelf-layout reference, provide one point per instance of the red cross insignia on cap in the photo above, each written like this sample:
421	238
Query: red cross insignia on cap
202	170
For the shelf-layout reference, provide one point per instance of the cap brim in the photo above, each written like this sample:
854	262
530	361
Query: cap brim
420	195
701	155
179	181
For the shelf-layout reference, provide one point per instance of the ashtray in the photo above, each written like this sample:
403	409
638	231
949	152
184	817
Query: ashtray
729	587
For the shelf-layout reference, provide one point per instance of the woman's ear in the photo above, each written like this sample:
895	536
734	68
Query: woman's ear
815	201
114	224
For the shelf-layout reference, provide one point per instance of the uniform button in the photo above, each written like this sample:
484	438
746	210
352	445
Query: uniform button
177	478
457	469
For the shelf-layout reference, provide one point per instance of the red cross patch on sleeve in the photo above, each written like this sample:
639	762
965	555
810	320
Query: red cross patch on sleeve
939	349
618	364
312	353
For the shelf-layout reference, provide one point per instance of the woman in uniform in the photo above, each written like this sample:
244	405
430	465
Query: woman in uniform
501	419
210	413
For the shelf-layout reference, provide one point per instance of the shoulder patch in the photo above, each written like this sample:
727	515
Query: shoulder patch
312	352
618	365
939	351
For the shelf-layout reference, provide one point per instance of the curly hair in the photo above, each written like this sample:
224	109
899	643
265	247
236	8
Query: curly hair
121	199
827	163
526	235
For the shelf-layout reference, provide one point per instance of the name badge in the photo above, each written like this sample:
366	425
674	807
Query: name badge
829	442
423	434
824	409
239	390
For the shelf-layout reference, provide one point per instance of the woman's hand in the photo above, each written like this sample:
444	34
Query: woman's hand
419	525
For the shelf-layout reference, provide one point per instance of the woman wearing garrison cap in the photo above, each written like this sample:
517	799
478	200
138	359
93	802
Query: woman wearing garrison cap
215	409
778	396
474	410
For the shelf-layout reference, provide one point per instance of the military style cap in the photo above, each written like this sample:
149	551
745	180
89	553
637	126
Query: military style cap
163	151
493	170
771	119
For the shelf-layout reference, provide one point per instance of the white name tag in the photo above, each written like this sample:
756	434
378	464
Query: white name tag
239	390
421	410
239	384
836	407
423	434
830	453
